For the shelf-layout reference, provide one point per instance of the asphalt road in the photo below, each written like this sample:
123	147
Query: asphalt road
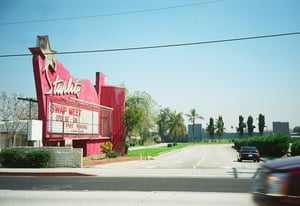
196	175
127	184
217	160
198	156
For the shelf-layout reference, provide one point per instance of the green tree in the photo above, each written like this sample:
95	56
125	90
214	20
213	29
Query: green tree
211	128
162	119
250	126
193	116
241	126
132	117
220	127
261	124
297	129
176	125
145	106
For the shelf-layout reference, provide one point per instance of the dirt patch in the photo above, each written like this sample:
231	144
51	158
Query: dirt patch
113	160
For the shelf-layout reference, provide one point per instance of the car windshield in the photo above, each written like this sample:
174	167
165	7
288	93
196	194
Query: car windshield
248	149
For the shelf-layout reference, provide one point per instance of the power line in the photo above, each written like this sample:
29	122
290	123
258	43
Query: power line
110	14
163	46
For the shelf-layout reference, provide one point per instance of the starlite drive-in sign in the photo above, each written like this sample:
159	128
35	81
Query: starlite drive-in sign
74	110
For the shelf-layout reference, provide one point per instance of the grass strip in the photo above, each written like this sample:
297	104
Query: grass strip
155	151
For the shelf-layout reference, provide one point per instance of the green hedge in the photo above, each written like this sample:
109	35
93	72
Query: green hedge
295	149
112	154
14	158
37	158
270	146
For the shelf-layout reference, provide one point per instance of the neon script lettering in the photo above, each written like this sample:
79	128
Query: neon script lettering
60	86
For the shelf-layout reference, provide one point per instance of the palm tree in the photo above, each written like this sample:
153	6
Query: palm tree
211	128
192	118
220	126
242	125
250	126
176	126
261	124
162	119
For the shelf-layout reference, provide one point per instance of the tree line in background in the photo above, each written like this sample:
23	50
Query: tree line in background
218	127
250	126
215	128
170	123
141	118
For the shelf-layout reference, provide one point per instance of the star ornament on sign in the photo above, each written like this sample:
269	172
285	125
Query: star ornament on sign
43	48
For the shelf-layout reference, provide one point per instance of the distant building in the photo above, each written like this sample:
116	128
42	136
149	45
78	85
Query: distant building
281	127
19	126
9	127
198	132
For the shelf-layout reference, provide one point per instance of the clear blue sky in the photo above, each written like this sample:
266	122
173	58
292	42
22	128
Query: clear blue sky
228	79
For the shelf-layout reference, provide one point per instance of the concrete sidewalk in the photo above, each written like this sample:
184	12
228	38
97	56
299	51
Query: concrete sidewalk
125	172
124	198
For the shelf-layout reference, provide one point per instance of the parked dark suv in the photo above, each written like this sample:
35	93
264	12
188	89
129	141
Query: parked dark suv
278	182
248	153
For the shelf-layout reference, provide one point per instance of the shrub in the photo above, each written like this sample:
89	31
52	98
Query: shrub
106	147
14	158
126	147
157	139
37	158
112	154
273	146
280	144
295	149
170	145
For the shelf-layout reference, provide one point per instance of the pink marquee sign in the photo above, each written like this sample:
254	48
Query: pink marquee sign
71	120
74	109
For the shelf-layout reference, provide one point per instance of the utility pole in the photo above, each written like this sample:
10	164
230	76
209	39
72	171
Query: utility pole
30	100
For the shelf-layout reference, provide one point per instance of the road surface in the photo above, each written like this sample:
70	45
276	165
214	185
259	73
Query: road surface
127	184
196	175
210	160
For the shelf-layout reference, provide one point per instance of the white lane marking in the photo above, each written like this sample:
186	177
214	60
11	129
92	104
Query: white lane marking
199	162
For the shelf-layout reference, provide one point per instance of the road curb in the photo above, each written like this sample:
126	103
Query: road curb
45	174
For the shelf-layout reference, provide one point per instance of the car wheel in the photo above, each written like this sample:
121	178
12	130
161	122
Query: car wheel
258	160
